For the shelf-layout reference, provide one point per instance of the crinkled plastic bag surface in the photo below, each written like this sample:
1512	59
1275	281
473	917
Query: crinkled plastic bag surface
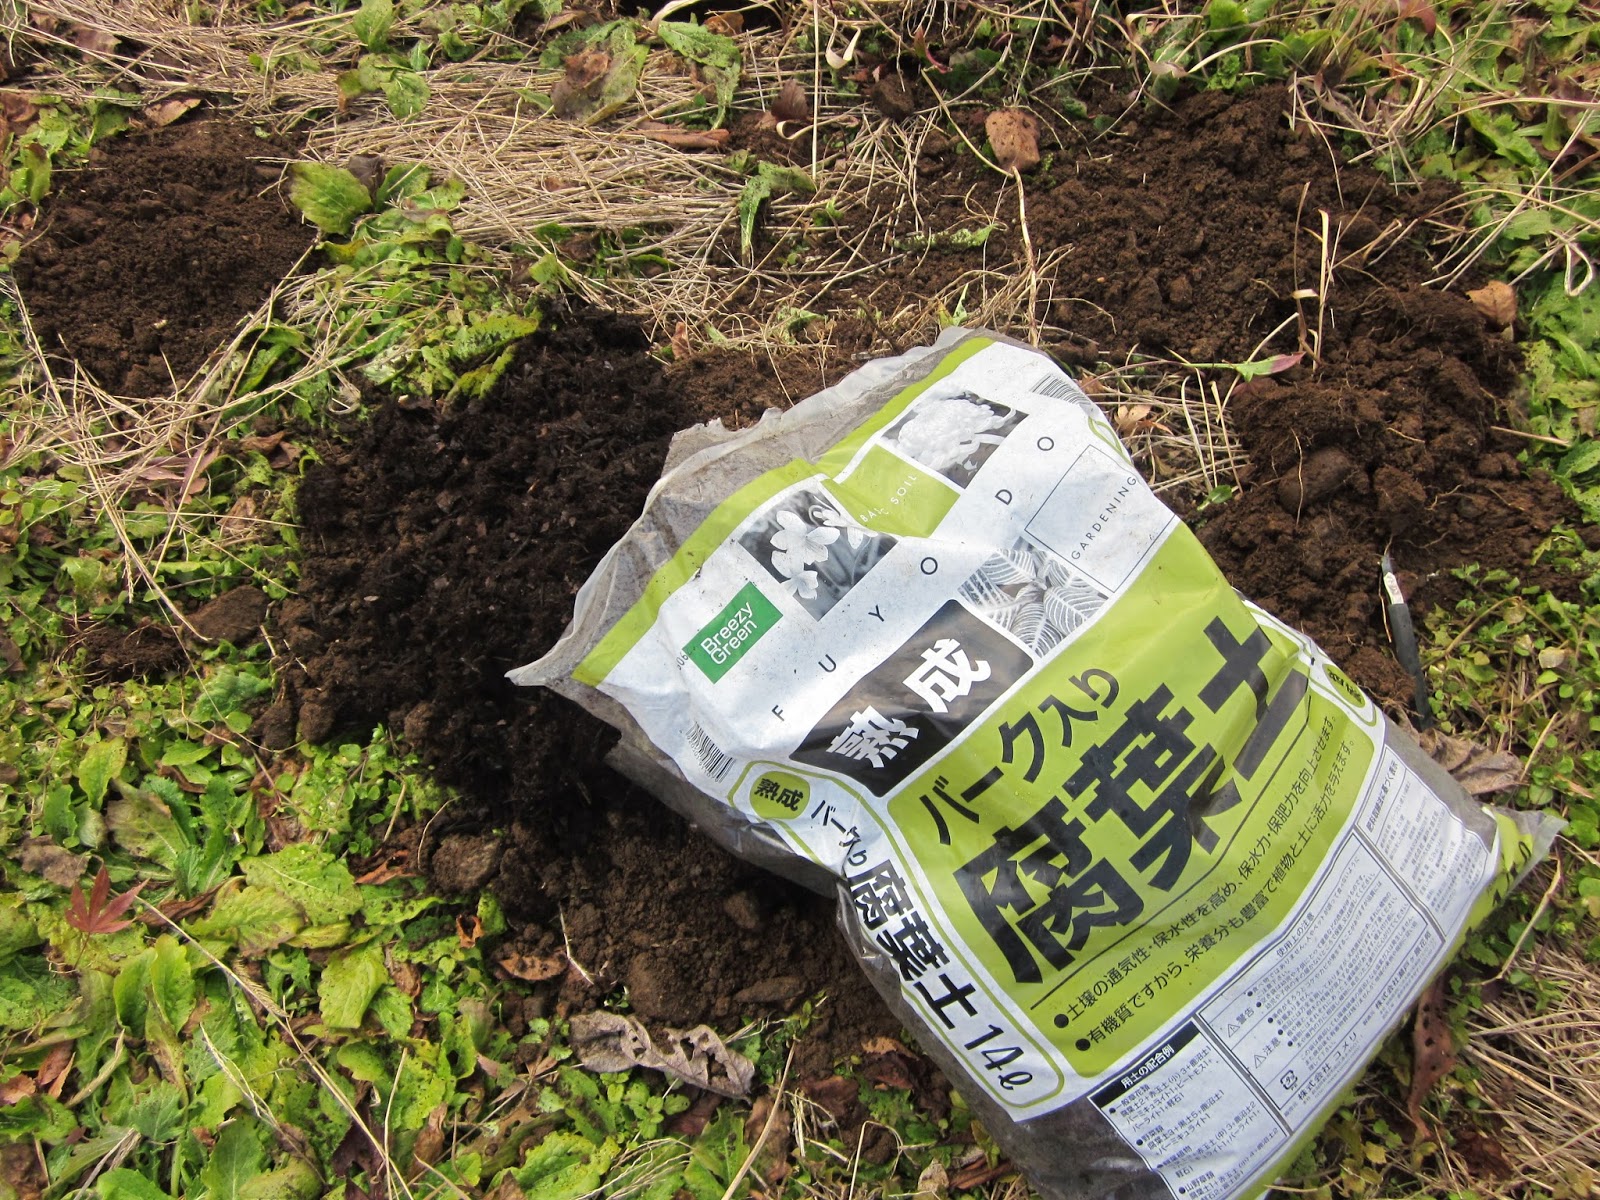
1148	876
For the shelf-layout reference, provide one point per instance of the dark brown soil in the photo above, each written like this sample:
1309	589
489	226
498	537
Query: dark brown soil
145	259
443	548
1186	235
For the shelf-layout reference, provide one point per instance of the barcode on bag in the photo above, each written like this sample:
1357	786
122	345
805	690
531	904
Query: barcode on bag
712	760
1055	385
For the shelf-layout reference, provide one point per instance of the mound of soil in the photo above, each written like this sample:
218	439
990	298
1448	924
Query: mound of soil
1187	235
443	547
146	258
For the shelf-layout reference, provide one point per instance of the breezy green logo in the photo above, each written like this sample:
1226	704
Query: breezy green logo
732	632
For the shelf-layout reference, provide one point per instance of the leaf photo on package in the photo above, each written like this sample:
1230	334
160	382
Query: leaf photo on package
815	552
953	435
1032	595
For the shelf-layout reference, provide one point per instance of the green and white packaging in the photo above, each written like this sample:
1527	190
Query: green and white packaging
1148	876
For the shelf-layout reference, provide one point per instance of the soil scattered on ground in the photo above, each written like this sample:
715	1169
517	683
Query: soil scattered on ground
145	259
1186	236
444	545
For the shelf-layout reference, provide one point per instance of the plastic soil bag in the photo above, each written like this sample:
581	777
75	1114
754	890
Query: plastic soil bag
1146	874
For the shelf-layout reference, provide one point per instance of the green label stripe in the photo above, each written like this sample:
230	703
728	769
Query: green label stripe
728	636
680	568
715	530
887	493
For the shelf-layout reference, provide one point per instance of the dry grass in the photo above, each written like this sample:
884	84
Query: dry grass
1537	1057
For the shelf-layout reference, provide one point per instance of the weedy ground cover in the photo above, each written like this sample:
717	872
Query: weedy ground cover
221	972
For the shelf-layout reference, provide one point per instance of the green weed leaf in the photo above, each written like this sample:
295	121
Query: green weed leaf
1585	456
144	826
406	93
229	691
372	23
236	1159
100	764
316	881
402	182
330	197
172	985
30	993
129	994
565	1166
717	57
123	1184
36	1116
572	41
296	1181
349	982
768	181
253	919
18	933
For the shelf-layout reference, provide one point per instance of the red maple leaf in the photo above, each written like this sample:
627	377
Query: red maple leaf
101	913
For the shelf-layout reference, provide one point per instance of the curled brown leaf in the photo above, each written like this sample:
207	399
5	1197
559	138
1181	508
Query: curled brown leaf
1014	137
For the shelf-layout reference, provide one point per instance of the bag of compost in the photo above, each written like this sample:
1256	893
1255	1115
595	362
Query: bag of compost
1147	875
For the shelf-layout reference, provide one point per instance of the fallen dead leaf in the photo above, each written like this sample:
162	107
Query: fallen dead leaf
18	1087
534	968
1422	10
239	522
1476	767
55	864
263	445
178	909
429	1146
577	95
1497	301
729	24
692	1122
17	112
977	1176
1014	136
792	103
92	40
608	1041
1433	1051
933	1182
164	112
407	978
1129	417
469	929
883	1045
1483	1154
681	349
22	1170
834	1094
11	655
684	139
395	866
53	1071
890	1070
